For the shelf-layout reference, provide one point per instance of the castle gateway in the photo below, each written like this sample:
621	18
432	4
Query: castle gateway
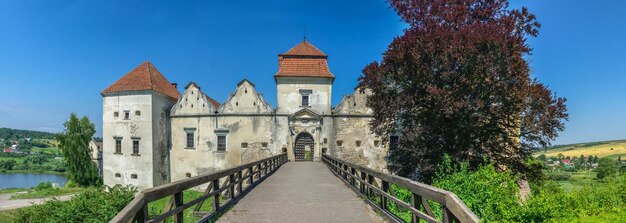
154	135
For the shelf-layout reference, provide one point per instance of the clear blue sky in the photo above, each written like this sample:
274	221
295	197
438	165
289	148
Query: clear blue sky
56	56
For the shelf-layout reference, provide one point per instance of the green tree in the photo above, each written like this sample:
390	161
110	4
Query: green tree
457	82
74	144
606	168
7	164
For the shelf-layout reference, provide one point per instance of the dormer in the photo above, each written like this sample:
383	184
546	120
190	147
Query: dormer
194	102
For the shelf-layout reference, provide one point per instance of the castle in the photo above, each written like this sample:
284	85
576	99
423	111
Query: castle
153	134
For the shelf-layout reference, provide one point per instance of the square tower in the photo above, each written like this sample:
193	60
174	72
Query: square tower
136	128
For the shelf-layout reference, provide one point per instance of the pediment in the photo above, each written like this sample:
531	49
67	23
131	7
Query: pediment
305	113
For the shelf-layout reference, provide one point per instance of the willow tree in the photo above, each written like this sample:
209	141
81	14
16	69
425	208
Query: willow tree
457	82
74	144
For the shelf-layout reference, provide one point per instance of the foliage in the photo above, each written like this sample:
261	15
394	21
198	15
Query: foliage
558	176
7	164
91	205
492	195
456	82
15	134
74	143
606	168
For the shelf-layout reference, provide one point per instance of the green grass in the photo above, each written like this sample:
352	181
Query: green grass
51	192
156	208
579	180
7	215
12	190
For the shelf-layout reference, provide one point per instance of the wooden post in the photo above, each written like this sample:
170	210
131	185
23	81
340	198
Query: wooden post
352	174
232	187
370	180
178	201
216	197
240	179
361	183
383	199
142	214
251	174
415	202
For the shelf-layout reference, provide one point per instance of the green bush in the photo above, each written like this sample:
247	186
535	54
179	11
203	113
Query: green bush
91	205
43	186
558	176
491	195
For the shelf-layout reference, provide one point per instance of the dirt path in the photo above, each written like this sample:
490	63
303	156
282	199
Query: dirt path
6	204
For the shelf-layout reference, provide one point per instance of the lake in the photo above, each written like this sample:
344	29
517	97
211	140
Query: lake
26	180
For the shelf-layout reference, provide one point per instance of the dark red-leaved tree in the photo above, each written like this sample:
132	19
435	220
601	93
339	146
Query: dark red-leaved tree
456	82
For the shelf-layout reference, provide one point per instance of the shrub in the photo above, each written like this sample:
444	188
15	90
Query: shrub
91	205
491	195
558	176
43	186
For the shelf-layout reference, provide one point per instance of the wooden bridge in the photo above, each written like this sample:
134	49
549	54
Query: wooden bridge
275	190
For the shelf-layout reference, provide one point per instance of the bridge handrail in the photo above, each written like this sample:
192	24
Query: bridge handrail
364	181
232	187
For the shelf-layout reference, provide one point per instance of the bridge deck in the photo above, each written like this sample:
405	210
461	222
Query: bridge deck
301	192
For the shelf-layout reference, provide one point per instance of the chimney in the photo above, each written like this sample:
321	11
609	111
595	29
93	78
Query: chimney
175	85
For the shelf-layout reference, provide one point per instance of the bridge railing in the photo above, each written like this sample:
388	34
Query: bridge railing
377	188
224	188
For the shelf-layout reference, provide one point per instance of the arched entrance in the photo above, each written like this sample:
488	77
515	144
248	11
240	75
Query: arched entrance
303	148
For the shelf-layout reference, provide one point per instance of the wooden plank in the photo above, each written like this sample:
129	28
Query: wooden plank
208	189
129	212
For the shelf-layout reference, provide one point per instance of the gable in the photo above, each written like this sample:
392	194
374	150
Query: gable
354	103
194	102
245	99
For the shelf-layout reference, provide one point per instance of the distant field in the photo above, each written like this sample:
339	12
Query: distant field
611	149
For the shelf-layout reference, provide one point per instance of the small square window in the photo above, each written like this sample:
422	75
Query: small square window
137	113
116	114
339	142
376	142
118	175
244	145
358	143
133	176
263	144
188	174
325	140
126	115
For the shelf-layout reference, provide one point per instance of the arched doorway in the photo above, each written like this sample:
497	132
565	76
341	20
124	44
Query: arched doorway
303	149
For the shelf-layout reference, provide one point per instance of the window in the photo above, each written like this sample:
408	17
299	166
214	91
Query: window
244	145
305	100
189	139
325	140
118	175
135	147
393	142
305	97
188	174
358	143
221	143
137	113
116	114
284	150
324	150
376	142
126	115
339	142
118	145
133	176
263	144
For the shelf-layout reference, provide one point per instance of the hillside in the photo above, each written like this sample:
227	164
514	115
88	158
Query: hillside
601	149
8	133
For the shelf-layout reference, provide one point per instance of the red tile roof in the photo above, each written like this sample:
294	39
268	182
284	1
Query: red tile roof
303	60
144	77
305	49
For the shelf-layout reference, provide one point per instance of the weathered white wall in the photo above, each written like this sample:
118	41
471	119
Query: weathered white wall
289	98
351	124
148	128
